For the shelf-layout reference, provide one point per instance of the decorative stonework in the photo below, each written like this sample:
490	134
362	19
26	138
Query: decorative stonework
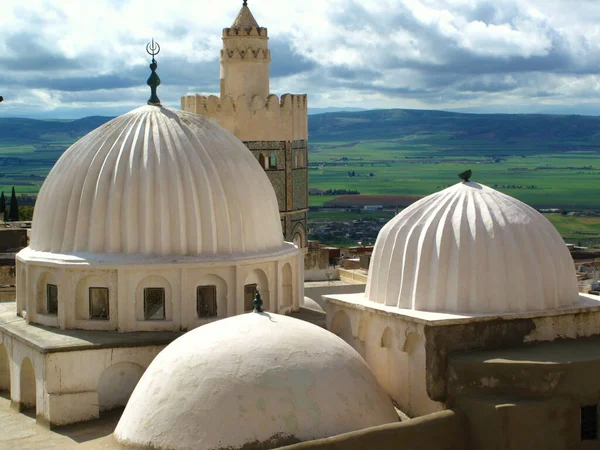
289	179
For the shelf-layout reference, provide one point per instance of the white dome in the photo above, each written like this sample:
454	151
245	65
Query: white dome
157	181
255	378
471	249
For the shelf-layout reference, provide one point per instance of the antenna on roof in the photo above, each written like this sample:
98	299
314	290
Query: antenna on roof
153	49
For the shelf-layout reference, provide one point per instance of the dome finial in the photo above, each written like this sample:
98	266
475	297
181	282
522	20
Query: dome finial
245	3
153	49
465	175
257	303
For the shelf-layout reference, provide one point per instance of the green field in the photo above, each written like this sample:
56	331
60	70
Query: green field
569	180
545	161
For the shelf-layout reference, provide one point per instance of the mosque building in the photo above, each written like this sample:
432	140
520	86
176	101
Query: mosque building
165	286
274	129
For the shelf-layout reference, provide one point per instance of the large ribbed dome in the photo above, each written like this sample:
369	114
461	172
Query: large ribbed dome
471	249
157	181
252	381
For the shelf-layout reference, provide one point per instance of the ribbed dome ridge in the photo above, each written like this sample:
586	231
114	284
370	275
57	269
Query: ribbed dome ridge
157	181
471	249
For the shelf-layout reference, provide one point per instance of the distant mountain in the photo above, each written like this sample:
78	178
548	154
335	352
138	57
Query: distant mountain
31	131
421	125
414	126
312	111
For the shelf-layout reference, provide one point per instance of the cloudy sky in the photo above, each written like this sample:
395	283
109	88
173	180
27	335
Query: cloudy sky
73	58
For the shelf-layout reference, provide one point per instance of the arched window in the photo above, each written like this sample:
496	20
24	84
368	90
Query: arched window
206	301
272	161
99	308
51	299
154	303
249	294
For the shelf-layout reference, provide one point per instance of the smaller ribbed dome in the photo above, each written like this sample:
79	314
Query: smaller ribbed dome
471	249
252	381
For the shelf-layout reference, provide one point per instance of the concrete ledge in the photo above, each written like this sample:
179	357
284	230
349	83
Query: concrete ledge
445	430
536	370
514	423
53	340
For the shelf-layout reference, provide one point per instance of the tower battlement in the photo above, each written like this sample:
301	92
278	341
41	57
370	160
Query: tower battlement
255	119
252	31
246	54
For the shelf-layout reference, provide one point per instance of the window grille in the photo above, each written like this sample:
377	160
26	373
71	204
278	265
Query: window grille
154	303
51	299
99	308
206	301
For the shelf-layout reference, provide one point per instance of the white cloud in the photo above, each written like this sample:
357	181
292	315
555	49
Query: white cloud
61	54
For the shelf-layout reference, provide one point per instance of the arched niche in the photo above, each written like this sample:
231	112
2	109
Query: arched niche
221	291
389	364
82	295
259	278
153	281
4	369
44	280
116	383
287	286
387	338
342	327
28	395
298	234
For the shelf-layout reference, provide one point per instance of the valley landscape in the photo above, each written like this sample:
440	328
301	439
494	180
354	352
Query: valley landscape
391	158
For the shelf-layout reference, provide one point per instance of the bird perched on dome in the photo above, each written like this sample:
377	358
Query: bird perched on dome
465	175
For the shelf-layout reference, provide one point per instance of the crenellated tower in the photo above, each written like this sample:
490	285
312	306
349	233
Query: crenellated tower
275	129
245	57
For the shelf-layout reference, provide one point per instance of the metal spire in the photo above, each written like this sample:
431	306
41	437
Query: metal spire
153	49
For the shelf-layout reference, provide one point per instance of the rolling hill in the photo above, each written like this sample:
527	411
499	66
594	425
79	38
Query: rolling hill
16	131
535	130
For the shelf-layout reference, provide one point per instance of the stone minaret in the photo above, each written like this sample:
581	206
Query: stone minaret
245	58
274	129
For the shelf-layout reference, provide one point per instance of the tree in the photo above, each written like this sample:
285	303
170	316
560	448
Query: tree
2	203
13	213
25	213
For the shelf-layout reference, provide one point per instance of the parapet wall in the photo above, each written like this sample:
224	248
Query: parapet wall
447	430
256	119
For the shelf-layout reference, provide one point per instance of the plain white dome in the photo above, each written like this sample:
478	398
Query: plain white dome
157	181
471	249
255	378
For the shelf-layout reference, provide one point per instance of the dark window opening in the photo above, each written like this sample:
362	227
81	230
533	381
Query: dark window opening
154	303
206	301
98	303
51	299
589	423
249	294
